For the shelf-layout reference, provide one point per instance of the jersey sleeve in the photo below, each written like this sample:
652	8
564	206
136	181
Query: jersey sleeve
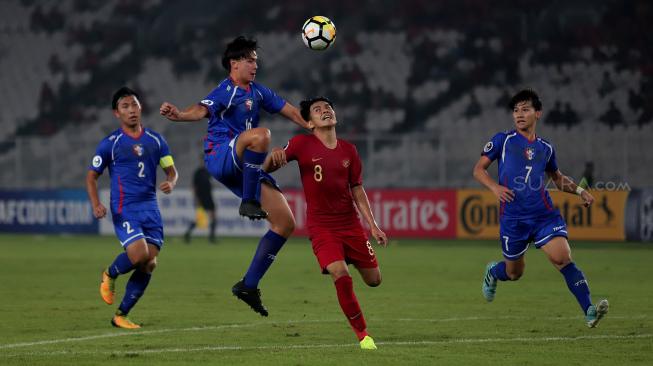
165	156
271	102
551	163
355	169
102	157
493	147
291	148
214	102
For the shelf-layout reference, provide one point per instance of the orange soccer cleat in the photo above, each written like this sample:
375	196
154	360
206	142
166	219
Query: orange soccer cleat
121	321
107	288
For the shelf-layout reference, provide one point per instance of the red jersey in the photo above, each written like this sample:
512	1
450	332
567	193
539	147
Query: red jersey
327	176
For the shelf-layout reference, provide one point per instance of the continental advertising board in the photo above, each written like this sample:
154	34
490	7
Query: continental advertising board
478	214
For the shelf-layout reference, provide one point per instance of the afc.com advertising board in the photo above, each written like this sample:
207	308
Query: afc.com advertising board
405	213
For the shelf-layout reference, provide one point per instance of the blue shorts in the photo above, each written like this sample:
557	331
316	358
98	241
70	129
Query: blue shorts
517	234
223	164
135	225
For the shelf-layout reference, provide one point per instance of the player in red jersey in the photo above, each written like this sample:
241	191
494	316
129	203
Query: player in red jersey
331	175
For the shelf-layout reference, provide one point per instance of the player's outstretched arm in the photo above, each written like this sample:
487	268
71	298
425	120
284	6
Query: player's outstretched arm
292	113
363	204
276	159
504	194
193	113
99	211
566	184
171	179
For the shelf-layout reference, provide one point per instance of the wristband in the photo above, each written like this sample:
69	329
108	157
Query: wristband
579	190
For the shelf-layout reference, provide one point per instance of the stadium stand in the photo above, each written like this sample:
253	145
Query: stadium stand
416	83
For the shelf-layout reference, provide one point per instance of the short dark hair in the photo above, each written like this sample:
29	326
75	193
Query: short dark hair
305	106
122	92
237	49
526	95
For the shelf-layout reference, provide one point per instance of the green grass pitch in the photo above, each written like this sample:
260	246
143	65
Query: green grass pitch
429	309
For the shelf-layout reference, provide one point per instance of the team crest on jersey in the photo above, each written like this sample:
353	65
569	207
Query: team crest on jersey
345	163
138	149
530	153
248	104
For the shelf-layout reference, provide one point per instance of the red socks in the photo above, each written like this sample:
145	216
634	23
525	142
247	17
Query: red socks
350	306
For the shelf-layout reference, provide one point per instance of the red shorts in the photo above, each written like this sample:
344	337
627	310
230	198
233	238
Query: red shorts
351	246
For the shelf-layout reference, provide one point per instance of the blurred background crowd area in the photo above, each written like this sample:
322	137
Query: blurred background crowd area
418	85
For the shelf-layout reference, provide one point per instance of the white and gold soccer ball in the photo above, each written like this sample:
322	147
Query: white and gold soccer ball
318	33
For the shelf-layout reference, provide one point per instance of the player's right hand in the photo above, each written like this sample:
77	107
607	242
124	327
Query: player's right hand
278	156
99	211
379	236
169	111
504	194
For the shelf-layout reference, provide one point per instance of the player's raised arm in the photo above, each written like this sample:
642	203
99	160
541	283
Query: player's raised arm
566	184
193	113
292	113
504	194
363	204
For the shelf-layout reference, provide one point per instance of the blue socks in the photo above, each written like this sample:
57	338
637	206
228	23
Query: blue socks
499	272
267	250
252	162
135	288
120	265
577	285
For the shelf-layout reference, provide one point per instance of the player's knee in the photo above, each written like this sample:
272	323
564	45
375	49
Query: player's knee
289	225
141	260
261	138
374	281
149	266
337	273
284	227
560	261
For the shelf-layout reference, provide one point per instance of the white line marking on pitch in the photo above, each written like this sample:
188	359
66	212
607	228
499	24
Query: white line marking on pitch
249	325
314	346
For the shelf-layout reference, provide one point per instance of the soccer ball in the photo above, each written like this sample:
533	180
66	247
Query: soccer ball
318	33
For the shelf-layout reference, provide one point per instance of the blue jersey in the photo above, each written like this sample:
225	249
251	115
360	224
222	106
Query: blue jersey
132	164
233	110
523	165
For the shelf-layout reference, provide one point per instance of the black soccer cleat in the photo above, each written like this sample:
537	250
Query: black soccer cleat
252	209
251	296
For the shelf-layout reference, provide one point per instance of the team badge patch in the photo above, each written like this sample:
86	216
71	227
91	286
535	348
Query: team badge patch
488	147
530	153
248	104
345	163
97	161
138	149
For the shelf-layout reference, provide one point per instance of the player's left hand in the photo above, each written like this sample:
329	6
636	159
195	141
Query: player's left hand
587	198
166	187
379	236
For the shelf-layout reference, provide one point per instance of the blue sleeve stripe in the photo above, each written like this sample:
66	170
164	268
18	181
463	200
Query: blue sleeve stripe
503	149
229	104
114	146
